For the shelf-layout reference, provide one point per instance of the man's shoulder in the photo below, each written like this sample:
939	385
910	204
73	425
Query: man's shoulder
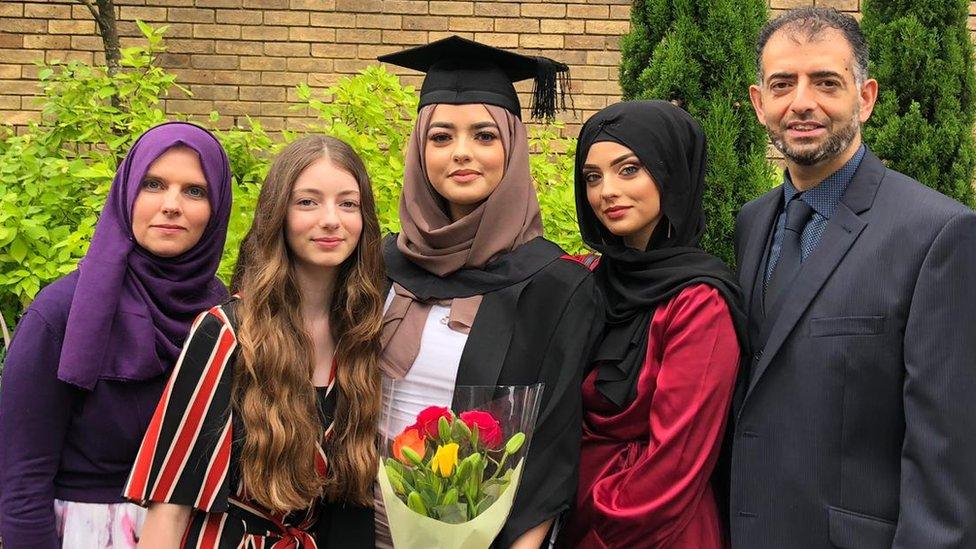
913	199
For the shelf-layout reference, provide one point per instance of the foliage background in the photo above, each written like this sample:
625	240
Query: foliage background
54	176
700	56
923	124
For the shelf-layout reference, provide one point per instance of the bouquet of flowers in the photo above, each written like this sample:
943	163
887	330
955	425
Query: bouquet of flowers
449	478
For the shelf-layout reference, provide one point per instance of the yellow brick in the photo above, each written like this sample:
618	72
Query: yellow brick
224	32
232	108
358	36
171	60
24	57
587	12
287	49
264	33
47	42
276	78
607	27
584	72
10	71
142	13
215	61
403	37
546	9
313	5
87	43
212	92
287	17
262	93
453	7
498	40
190	46
311	34
11	40
215	3
55	26
47	11
261	63
242	78
334	51
585	42
561	26
603	58
266	4
238	47
619	12
239	17
541	41
427	23
406	7
11	9
341	20
496	9
270	123
373	21
190	15
364	51
360	6
191	106
843	5
349	66
471	24
307	64
517	25
789	4
437	35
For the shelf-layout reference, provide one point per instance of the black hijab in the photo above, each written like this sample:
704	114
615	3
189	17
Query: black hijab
671	146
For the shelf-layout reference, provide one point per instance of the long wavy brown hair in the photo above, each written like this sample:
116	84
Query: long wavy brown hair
273	391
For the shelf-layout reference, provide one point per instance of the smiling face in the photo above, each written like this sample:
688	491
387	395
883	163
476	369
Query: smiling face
324	222
622	193
171	210
809	99
464	156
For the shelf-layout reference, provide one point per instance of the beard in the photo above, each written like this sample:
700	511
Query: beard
837	141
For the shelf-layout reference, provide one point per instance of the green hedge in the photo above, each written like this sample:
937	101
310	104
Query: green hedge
54	176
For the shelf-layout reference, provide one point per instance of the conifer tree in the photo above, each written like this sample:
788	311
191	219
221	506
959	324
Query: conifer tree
922	57
701	56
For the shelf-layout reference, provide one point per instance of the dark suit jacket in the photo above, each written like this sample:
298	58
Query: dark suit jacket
856	426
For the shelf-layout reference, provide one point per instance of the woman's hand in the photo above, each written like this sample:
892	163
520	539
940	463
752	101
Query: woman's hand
164	526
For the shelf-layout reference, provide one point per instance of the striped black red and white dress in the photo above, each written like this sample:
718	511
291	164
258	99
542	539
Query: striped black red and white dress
190	453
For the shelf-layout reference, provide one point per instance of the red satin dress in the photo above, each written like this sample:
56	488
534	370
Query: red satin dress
645	469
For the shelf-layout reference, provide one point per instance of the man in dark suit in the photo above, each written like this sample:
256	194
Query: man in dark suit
855	423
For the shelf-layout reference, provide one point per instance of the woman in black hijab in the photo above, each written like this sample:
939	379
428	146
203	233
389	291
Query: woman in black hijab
656	401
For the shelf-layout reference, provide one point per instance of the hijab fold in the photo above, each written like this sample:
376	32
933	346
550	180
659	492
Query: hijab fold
462	249
131	310
671	146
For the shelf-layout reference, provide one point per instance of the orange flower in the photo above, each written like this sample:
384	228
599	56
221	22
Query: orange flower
410	438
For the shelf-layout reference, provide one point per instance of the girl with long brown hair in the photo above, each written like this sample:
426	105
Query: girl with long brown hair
266	431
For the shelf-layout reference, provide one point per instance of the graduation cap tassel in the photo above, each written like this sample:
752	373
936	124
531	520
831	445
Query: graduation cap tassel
551	79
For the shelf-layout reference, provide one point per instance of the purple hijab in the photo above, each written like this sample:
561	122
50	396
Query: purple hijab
132	310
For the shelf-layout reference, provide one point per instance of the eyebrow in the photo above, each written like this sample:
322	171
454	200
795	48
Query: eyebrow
815	74
317	192
616	161
162	179
476	126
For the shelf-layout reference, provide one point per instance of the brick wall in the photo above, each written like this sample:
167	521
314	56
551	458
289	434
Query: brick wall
244	57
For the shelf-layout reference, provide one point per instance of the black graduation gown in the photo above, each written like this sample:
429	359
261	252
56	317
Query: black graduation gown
537	322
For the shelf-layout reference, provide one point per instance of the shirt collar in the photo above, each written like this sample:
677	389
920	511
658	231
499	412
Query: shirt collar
827	194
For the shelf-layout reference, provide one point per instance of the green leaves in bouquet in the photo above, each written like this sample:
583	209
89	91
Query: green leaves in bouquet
460	479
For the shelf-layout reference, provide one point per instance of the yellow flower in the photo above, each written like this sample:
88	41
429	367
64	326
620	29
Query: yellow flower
445	459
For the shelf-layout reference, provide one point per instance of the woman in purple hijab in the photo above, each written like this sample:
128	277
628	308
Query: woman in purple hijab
93	351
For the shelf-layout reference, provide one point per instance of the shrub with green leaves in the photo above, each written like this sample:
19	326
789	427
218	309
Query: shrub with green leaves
54	177
699	55
922	57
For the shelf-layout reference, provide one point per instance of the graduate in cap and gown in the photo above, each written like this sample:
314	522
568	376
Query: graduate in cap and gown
478	296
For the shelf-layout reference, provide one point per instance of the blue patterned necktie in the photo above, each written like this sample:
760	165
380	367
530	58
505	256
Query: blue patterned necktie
798	214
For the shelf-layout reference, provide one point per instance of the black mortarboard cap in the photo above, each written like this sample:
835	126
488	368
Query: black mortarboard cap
463	71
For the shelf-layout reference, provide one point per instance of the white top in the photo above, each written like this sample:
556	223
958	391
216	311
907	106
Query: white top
431	379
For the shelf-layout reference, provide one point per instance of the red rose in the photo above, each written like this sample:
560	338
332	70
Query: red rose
489	430
428	418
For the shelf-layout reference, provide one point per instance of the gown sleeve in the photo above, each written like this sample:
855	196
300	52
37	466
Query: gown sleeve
185	455
35	412
651	502
550	475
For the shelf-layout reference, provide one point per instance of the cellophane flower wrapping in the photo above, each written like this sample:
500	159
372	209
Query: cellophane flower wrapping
449	473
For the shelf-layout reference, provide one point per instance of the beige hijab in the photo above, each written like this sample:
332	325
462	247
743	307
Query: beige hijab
508	218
